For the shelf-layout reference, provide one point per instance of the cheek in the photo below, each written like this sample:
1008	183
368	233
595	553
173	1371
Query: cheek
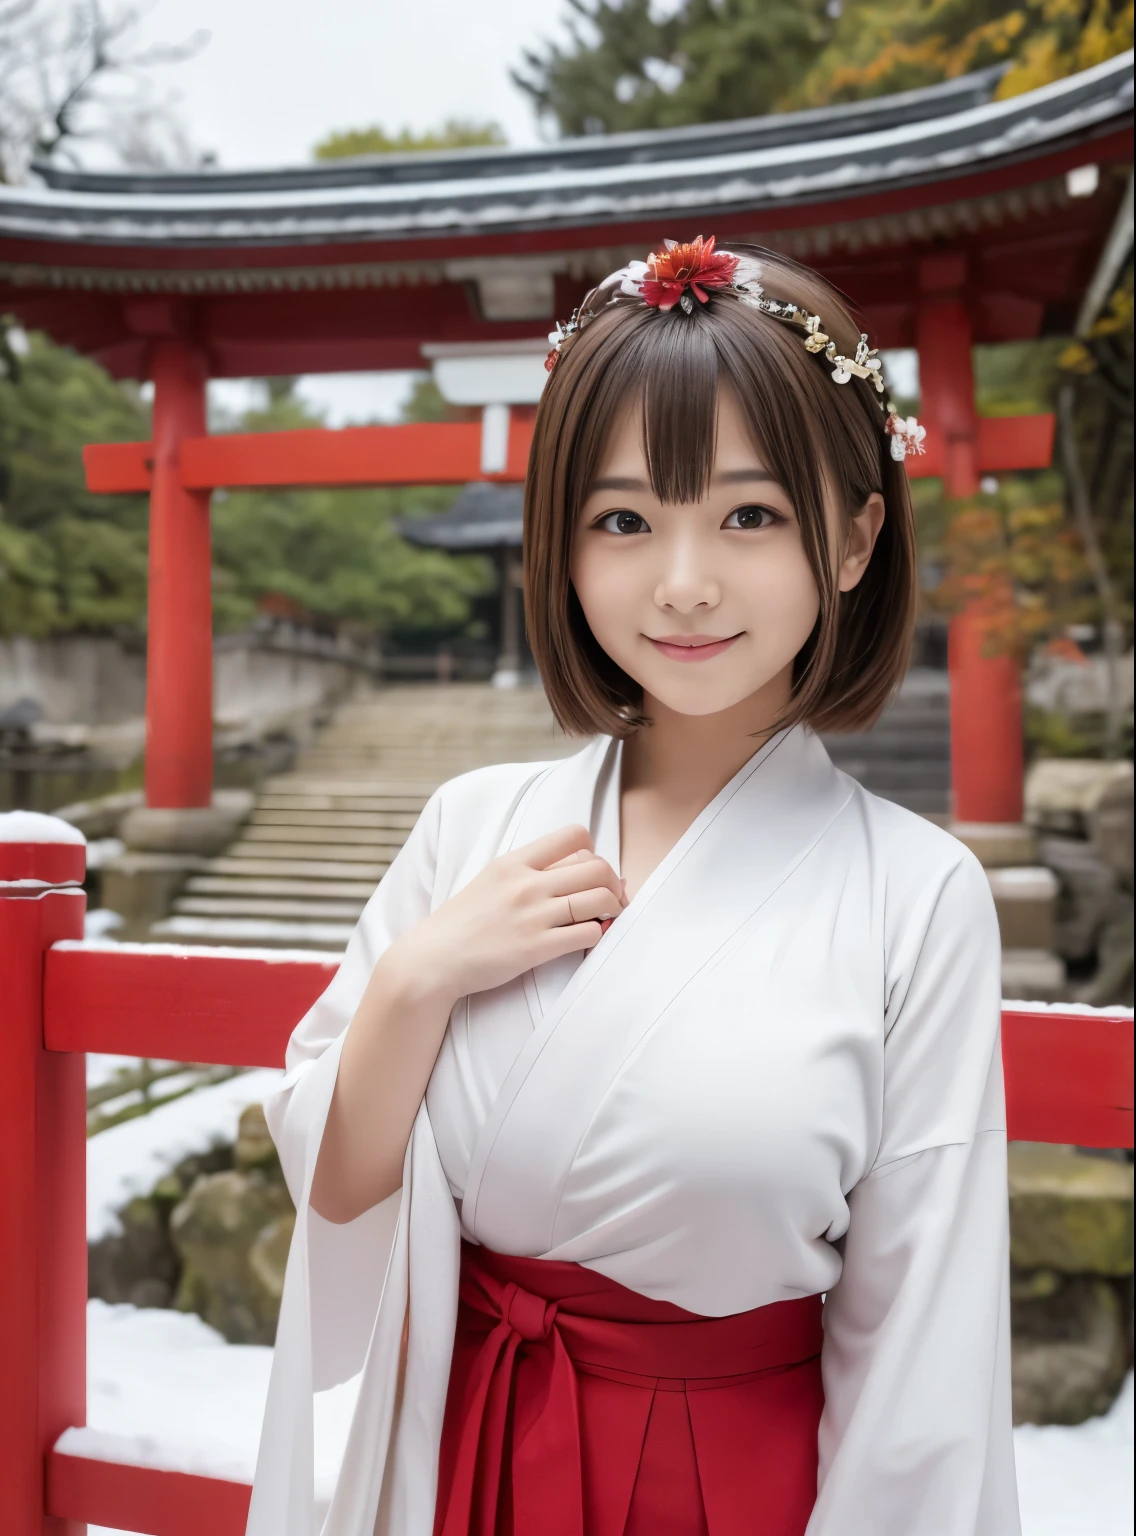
601	587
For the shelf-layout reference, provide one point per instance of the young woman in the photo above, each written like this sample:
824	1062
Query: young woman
636	1057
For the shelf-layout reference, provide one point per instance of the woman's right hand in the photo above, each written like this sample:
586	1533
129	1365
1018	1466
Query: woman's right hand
528	906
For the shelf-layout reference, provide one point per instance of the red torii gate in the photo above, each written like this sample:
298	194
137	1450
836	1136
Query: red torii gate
951	218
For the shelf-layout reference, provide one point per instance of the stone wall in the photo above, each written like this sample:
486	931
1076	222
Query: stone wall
90	691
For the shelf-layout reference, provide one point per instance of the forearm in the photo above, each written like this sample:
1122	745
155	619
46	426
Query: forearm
388	1054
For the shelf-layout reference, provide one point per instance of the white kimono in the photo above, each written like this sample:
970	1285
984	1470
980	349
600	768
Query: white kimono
777	1074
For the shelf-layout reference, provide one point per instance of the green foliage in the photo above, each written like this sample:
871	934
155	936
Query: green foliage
69	560
335	557
625	67
455	133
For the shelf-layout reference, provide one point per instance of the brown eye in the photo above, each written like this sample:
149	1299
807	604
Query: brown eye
751	517
624	522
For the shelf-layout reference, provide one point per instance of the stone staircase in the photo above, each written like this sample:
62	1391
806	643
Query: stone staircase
906	757
321	837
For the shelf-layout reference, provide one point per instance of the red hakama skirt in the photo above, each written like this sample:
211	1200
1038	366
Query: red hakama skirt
577	1407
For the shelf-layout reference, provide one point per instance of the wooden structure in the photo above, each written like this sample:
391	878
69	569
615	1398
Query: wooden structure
1068	1078
951	218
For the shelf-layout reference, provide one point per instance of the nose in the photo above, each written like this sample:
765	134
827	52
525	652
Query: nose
688	580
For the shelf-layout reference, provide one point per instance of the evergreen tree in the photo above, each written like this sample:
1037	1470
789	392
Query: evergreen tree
69	560
625	66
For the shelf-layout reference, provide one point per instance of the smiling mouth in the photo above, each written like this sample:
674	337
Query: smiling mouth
689	648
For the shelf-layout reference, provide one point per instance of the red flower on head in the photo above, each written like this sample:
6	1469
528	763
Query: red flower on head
695	266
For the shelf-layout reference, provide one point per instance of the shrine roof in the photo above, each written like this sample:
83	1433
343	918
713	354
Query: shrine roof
942	133
485	516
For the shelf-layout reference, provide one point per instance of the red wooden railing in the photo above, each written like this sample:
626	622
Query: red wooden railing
1068	1079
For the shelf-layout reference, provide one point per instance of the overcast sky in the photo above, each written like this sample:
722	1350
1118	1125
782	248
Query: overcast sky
277	75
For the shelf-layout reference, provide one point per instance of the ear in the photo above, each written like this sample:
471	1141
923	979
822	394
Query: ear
862	535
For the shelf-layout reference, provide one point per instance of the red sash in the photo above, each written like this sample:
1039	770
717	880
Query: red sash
577	1407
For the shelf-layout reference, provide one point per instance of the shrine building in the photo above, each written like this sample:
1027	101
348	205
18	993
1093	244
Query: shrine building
950	217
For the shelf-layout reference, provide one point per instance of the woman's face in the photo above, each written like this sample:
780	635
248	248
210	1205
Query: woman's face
703	604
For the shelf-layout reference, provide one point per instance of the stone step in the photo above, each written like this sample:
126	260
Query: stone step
897	775
341	804
1033	976
315	890
326	837
338	852
1026	902
263	906
255	932
381	821
298	869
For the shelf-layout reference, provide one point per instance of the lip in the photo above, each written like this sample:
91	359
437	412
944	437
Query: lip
692	648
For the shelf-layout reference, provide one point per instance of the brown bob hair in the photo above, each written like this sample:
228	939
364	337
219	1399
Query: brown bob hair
812	434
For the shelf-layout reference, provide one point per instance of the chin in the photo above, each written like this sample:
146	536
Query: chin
701	698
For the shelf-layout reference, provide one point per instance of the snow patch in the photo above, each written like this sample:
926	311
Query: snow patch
165	1390
220	952
127	1160
34	827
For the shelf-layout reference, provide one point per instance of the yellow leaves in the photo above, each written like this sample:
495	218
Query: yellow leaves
1076	358
876	48
1022	566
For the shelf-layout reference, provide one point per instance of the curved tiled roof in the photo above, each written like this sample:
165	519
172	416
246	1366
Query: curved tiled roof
922	136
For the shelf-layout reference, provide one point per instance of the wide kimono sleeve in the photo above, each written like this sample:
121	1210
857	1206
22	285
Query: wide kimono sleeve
916	1436
337	1275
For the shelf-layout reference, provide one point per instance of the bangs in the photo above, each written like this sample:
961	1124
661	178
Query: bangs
823	443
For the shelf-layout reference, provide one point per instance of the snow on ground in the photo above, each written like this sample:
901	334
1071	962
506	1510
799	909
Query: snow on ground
166	1390
129	1159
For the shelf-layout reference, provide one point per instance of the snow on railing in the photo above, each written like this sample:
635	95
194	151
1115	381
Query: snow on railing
1068	1079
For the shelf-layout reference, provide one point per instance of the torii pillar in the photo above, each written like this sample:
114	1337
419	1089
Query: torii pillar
181	820
179	635
987	764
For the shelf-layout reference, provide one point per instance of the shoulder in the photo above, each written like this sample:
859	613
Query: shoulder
914	854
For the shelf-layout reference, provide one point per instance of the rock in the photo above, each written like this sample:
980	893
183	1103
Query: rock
1069	1212
1111	827
1113	981
1025	900
1070	1349
997	845
268	1256
255	1147
1089	897
139	1264
1033	976
1062	793
214	1231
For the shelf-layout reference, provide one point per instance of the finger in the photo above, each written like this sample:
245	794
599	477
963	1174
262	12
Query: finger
560	844
567	940
595	905
568	878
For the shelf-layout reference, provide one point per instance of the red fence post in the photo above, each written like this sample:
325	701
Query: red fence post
179	647
986	696
43	1152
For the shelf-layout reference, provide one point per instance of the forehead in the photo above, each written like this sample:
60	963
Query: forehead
733	448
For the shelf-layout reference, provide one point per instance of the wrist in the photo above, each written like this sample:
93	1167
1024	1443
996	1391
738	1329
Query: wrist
412	979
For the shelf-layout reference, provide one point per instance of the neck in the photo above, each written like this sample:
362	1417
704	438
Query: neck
687	759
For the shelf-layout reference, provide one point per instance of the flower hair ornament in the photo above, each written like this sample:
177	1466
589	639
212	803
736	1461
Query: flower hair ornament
681	275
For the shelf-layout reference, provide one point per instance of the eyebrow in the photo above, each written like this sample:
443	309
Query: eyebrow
729	477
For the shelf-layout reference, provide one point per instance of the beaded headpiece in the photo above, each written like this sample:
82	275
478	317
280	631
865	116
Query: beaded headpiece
680	275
